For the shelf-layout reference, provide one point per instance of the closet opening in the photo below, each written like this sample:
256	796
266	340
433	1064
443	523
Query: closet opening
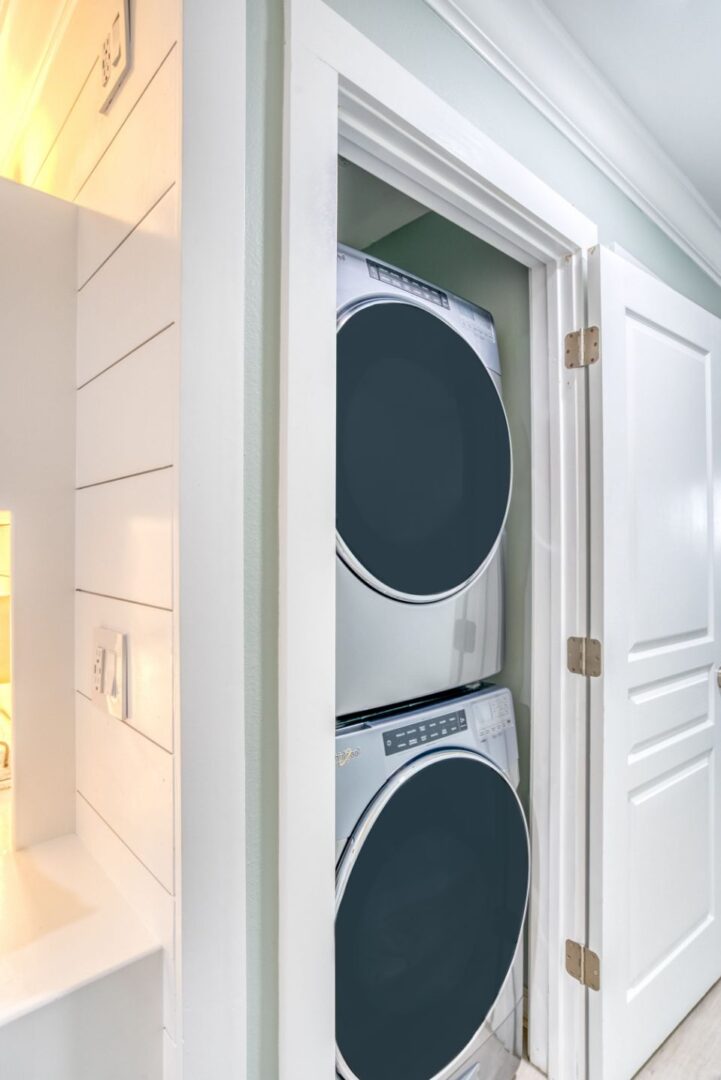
433	634
366	107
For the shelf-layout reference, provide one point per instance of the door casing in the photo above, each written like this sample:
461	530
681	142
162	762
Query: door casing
343	95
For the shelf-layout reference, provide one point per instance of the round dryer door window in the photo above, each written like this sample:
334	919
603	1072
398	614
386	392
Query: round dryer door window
423	453
430	904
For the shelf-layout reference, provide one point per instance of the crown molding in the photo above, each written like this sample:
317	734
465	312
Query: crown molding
530	48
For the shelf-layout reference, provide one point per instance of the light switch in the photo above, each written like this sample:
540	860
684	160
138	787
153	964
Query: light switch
110	672
114	54
116	42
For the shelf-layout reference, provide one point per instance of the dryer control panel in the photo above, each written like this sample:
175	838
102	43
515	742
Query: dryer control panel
391	276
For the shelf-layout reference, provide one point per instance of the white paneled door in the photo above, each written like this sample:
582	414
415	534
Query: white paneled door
655	526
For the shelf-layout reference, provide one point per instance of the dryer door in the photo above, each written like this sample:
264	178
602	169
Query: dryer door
430	901
423	453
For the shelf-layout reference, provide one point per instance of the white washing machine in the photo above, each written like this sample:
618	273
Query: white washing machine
423	487
432	885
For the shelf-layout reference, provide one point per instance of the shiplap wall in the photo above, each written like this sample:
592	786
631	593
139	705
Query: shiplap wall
122	169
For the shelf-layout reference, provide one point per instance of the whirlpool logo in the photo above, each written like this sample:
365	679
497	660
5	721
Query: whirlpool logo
343	757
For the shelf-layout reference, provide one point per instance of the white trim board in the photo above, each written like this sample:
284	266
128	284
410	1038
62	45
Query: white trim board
210	687
530	48
343	92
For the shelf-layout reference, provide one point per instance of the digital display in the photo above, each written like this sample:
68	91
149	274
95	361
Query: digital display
407	283
423	732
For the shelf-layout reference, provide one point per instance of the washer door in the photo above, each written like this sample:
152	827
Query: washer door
430	900
423	453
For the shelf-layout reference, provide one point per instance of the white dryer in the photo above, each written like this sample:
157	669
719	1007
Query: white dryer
431	890
423	486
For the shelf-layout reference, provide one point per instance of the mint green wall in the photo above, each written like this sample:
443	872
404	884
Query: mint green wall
412	33
439	251
418	38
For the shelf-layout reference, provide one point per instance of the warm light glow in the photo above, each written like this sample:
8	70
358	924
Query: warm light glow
5	665
4	604
27	46
5	687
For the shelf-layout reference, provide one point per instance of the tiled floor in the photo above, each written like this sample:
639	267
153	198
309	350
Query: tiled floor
692	1052
527	1072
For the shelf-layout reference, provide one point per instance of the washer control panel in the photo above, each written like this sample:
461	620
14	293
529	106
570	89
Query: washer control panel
495	715
424	732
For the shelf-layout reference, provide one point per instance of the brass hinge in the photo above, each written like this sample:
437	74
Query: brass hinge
583	965
583	347
585	656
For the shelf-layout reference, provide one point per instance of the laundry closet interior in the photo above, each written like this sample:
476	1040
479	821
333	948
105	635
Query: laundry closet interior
425	451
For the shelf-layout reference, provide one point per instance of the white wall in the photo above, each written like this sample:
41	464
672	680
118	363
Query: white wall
4	553
5	696
37	445
122	169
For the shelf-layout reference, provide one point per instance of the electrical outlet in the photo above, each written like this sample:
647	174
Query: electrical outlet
106	65
98	669
115	53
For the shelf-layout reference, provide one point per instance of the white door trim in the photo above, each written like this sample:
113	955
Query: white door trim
343	92
210	792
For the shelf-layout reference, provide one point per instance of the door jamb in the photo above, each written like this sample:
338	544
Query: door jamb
343	94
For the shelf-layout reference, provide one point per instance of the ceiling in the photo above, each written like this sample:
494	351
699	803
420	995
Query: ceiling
27	32
662	57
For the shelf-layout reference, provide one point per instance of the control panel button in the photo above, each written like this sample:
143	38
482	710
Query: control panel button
414	735
407	283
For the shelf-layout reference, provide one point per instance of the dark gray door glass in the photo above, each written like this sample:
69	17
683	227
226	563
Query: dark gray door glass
429	921
423	451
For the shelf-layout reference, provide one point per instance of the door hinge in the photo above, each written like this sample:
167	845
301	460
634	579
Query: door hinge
583	347
585	656
583	965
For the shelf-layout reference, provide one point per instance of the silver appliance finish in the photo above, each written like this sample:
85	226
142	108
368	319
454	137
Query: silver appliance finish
362	771
389	651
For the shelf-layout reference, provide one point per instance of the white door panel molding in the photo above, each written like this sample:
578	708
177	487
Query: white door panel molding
655	801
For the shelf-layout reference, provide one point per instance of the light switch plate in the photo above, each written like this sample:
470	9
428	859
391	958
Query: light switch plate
115	52
110	676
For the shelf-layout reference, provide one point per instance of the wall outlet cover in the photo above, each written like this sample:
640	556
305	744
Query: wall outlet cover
110	674
115	53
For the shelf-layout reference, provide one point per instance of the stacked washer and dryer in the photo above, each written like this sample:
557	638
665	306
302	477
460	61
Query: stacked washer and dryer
432	845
